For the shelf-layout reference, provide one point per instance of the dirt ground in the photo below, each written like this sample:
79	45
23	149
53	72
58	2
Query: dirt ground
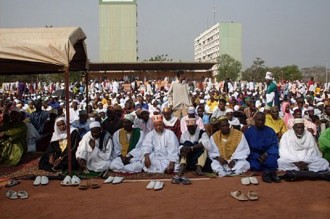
208	198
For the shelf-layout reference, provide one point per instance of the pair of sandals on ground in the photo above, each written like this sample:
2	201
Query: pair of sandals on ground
239	195
184	180
76	181
13	194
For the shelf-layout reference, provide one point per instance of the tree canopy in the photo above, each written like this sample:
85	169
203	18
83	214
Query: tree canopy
228	67
258	70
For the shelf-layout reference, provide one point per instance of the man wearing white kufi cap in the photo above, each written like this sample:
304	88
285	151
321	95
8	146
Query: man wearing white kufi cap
127	143
298	150
233	121
191	114
95	150
160	149
271	91
193	144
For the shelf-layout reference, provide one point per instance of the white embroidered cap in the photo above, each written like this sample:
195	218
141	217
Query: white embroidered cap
95	124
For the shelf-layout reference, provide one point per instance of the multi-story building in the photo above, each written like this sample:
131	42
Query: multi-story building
222	38
117	30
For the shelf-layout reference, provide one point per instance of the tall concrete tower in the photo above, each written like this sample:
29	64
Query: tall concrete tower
117	31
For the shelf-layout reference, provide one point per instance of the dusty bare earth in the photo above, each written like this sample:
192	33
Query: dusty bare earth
207	197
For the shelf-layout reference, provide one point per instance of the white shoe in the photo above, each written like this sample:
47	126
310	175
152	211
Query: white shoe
75	180
109	179
44	180
159	185
117	180
37	181
151	185
66	181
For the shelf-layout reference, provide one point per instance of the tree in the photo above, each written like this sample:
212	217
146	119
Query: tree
159	58
228	67
290	73
256	71
318	72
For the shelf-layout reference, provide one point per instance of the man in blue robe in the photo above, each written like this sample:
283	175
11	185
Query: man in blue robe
263	144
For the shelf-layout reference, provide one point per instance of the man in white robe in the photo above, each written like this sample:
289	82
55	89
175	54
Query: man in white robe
228	150
127	147
144	122
160	149
191	115
192	148
95	150
298	150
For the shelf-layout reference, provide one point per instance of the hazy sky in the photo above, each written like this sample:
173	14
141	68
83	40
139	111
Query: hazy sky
281	32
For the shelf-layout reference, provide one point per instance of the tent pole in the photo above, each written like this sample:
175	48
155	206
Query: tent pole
86	82
67	113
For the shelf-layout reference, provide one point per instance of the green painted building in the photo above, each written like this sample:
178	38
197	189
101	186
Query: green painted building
222	38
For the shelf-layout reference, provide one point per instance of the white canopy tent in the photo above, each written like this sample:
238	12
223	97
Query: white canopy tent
44	50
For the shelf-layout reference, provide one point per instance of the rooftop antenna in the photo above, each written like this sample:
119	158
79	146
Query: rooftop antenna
213	12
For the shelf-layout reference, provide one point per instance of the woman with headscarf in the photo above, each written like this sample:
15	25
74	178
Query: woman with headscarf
56	156
286	112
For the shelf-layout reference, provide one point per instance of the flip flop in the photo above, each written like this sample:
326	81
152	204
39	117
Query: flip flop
75	181
22	194
11	194
12	183
109	179
117	180
151	185
158	185
253	180
94	185
66	181
245	181
239	196
185	181
83	185
252	195
176	179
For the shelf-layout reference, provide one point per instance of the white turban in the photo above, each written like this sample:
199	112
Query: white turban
95	124
129	117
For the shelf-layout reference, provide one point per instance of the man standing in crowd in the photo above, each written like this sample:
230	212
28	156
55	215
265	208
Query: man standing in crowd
179	95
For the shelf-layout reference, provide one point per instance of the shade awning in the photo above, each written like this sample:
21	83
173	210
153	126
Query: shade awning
42	50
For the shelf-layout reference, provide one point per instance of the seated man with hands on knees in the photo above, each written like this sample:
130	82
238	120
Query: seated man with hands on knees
160	149
192	148
228	150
